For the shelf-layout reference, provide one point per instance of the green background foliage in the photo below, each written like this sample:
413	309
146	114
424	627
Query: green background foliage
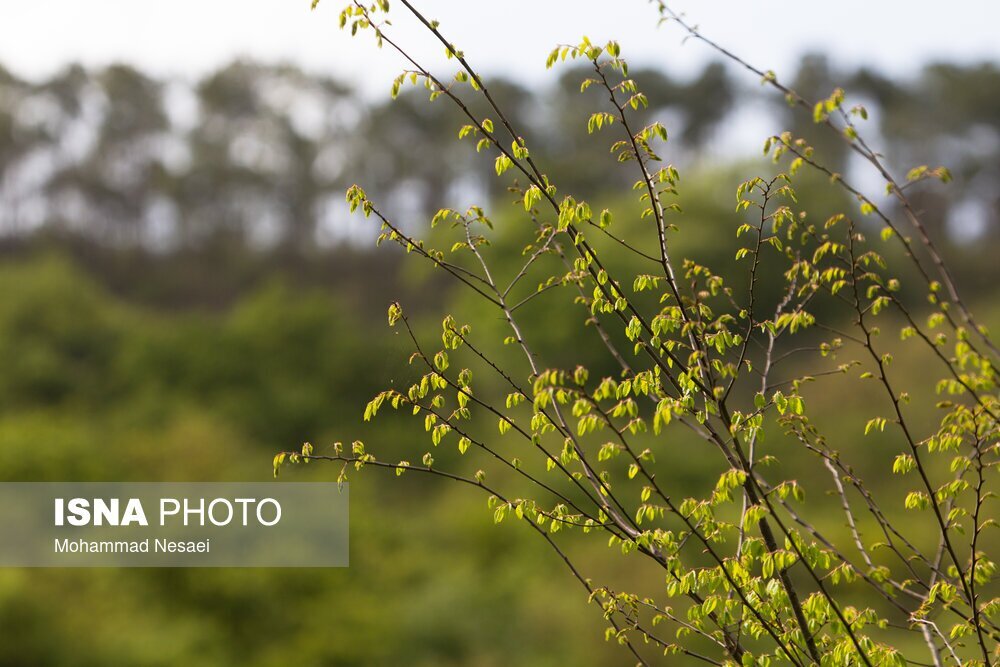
127	355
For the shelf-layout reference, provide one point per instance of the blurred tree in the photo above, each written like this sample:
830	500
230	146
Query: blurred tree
260	155
815	81
107	181
254	155
949	115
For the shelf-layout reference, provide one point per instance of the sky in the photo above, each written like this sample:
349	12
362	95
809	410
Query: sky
189	37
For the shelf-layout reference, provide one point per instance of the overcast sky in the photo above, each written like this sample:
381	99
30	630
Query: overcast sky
189	37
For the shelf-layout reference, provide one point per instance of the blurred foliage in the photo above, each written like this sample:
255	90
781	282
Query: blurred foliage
261	154
97	389
182	293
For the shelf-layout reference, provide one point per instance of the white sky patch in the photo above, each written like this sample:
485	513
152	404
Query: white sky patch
969	220
191	37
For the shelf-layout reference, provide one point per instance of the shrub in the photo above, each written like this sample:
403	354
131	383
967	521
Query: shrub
760	566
